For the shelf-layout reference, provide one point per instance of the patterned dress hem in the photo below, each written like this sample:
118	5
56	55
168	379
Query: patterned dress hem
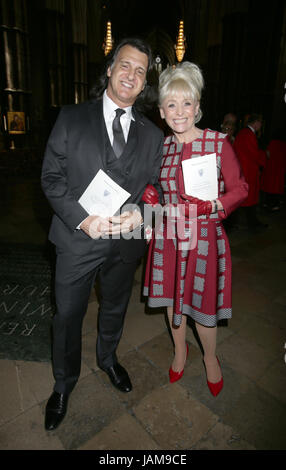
199	317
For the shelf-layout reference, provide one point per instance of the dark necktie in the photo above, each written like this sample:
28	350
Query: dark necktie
118	137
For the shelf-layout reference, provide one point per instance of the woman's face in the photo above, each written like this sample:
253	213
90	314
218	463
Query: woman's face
179	113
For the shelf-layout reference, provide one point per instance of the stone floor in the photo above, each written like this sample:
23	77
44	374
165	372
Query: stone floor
249	413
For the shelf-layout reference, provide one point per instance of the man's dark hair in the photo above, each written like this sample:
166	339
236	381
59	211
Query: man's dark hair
147	96
254	117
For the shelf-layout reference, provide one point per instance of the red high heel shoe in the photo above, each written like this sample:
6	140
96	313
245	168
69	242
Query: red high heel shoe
175	376
216	387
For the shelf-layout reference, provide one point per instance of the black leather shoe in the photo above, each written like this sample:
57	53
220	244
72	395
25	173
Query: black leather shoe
55	410
119	377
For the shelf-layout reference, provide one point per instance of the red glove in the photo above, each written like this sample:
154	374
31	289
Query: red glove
150	195
203	207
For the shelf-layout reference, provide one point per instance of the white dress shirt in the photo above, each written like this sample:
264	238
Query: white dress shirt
109	108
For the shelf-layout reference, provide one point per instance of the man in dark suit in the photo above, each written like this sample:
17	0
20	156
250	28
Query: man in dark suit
90	246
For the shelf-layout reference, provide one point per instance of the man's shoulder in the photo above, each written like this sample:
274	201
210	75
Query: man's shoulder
148	124
78	108
246	131
78	114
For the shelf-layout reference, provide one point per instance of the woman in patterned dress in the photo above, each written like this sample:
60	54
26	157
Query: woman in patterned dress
192	278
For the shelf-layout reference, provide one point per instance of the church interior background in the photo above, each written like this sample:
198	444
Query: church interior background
51	52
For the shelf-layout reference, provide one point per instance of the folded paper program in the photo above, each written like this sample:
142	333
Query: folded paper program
103	196
200	177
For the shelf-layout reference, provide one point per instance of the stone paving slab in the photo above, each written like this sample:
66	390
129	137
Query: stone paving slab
263	333
144	375
275	313
125	433
174	418
245	356
263	277
222	437
92	406
160	351
12	401
273	380
244	297
27	432
281	299
260	418
256	415
235	384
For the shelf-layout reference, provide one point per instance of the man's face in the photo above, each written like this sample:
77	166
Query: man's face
127	76
258	125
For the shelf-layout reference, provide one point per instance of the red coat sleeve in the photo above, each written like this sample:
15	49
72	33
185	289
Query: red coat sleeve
249	154
235	186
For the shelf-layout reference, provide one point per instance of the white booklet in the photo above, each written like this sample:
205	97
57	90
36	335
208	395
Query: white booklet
103	196
200	177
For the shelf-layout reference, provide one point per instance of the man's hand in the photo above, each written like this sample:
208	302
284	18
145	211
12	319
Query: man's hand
126	222
95	226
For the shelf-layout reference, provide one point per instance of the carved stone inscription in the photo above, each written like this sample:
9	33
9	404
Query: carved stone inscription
24	309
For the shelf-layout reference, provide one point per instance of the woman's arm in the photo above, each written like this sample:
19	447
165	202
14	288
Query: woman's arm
235	186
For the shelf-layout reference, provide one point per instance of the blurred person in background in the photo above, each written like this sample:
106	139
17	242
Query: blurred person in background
228	126
273	175
252	160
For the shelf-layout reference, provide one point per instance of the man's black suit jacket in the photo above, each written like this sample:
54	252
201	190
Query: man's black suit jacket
75	151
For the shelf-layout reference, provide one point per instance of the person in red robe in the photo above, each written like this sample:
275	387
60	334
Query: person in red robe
252	160
273	176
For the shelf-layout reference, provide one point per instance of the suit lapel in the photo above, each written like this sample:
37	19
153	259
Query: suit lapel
131	154
95	111
132	140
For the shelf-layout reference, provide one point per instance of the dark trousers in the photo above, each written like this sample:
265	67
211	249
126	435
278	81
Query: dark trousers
75	277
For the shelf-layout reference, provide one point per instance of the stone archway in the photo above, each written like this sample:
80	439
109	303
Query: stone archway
163	46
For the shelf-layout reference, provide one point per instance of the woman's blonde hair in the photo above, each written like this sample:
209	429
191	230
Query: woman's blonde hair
185	77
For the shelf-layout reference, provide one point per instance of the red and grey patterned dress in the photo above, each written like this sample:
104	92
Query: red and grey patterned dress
196	279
